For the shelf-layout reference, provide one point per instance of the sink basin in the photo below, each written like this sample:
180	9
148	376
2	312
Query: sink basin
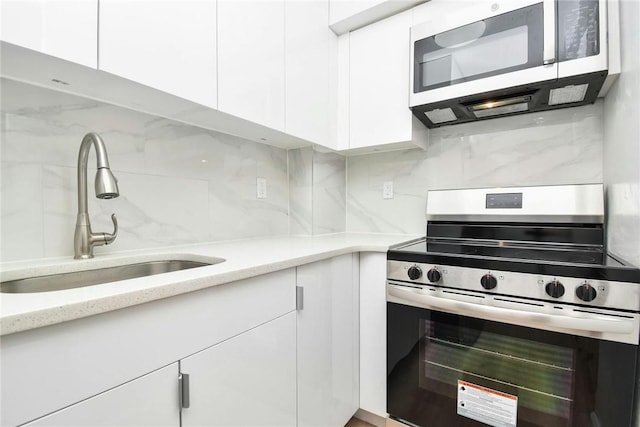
80	279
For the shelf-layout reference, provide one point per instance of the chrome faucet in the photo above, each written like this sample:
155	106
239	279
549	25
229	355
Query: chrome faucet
106	188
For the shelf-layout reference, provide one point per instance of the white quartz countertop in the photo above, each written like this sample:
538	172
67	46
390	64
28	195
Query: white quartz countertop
243	259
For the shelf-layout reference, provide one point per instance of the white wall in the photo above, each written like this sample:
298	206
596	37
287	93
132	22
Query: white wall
622	146
553	147
178	184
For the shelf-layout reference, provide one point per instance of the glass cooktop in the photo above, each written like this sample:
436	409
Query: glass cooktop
550	253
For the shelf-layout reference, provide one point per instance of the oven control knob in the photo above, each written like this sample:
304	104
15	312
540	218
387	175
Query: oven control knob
586	292
414	273
554	289
434	275
488	281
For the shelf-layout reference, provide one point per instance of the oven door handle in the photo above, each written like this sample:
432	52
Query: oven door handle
593	323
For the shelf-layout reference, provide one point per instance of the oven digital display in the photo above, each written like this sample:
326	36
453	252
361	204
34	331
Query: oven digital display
504	201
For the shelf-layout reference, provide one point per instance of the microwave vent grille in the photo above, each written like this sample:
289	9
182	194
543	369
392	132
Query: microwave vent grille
568	94
441	115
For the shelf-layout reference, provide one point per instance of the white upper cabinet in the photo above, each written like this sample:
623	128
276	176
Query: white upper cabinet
66	29
309	46
379	83
343	9
251	61
169	45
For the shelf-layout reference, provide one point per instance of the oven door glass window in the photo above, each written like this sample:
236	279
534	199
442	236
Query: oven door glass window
501	44
456	371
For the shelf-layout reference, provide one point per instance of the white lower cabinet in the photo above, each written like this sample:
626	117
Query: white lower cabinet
250	357
328	342
45	370
248	380
151	400
373	332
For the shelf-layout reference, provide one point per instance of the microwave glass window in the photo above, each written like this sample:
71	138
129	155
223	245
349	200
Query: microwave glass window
578	29
483	56
501	44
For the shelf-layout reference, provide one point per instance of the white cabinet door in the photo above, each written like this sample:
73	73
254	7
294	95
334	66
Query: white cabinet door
373	333
328	342
66	29
379	82
251	60
309	44
248	380
169	45
151	400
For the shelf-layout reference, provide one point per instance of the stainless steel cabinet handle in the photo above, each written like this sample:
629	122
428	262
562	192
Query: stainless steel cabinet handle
183	385
299	298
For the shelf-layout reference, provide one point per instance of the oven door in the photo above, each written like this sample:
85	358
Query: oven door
451	370
483	48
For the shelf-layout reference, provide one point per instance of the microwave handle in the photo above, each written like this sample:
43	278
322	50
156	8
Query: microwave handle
549	34
595	323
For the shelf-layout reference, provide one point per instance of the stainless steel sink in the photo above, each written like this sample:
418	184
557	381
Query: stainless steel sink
79	279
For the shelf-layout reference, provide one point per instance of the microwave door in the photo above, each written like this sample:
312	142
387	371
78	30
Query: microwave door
482	49
582	35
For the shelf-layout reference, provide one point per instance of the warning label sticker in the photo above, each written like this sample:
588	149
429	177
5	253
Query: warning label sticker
488	406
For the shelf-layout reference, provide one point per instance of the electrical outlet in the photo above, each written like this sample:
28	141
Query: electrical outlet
261	188
387	190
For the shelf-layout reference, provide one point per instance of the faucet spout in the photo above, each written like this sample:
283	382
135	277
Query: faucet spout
106	187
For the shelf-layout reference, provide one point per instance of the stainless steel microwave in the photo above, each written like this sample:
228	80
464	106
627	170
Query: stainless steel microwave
507	57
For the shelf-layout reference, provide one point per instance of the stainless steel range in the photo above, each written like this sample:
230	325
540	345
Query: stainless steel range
511	313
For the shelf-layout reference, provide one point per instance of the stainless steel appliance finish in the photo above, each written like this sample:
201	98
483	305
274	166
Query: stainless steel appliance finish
106	186
511	57
552	203
506	269
79	279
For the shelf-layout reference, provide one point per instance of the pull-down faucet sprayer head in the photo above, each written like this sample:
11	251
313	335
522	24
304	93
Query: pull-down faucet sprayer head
106	184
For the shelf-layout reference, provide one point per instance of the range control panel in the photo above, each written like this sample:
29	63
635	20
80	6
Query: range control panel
568	290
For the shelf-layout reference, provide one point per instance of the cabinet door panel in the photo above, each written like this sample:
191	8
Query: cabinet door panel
66	29
151	400
327	343
248	380
373	332
251	64
379	82
169	45
308	46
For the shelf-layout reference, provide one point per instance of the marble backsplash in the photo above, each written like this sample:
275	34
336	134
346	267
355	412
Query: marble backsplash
179	184
317	192
549	148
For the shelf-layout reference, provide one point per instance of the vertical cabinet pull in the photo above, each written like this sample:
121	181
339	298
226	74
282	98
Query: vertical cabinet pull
183	385
299	298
